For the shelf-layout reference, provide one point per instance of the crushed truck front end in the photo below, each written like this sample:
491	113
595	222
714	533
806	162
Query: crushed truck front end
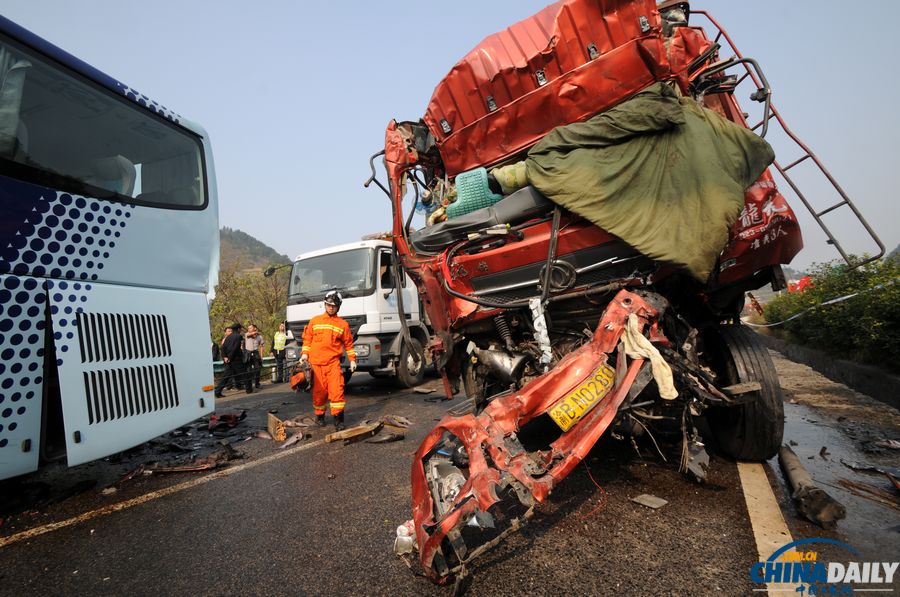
554	303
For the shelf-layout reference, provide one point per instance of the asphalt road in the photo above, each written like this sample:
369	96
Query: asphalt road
319	518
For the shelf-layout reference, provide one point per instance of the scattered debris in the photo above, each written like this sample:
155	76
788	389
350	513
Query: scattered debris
651	501
893	480
696	465
201	464
299	421
355	434
824	453
386	438
423	390
230	453
226	454
276	428
130	475
812	502
108	490
870	492
226	420
262	435
859	466
396	421
295	437
406	538
331	476
890	444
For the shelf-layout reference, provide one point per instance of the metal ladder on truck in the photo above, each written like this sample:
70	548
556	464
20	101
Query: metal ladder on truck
763	95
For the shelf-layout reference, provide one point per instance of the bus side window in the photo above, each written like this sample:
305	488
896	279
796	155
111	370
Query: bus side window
13	137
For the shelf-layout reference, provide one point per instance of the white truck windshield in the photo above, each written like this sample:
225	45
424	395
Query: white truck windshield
351	272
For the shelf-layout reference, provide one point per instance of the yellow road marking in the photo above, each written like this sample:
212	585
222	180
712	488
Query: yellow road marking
153	495
769	529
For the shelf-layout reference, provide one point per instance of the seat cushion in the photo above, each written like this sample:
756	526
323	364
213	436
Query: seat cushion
523	205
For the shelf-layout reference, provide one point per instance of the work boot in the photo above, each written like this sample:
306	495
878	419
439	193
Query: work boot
339	421
320	420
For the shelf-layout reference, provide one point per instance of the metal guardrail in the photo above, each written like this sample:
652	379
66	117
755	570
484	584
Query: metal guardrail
219	366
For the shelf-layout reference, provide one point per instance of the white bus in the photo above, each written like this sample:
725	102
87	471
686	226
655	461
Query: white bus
108	247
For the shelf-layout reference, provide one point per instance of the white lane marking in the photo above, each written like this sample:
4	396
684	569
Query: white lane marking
153	495
769	529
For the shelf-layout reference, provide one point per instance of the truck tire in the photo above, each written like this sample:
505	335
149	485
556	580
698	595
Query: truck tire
409	373
751	431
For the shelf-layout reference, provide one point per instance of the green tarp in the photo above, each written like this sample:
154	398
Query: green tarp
662	173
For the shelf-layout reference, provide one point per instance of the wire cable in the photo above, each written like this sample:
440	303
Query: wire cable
833	301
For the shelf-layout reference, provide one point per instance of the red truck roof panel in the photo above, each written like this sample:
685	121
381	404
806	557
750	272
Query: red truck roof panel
543	72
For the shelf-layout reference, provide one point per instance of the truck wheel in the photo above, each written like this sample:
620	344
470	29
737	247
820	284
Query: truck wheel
410	373
751	431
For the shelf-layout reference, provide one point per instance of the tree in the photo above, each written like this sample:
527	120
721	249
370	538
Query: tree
865	327
246	296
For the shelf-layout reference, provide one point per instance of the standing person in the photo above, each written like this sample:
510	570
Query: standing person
253	343
279	339
325	338
233	357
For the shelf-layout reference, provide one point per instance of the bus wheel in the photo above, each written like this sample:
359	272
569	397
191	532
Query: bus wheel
409	372
754	430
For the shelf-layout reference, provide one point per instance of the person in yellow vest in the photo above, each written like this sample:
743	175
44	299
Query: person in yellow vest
325	338
279	339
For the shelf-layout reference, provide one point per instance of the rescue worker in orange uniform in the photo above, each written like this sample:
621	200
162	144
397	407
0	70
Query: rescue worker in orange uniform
325	338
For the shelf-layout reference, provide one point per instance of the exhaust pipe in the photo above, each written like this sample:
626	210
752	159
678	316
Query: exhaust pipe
508	367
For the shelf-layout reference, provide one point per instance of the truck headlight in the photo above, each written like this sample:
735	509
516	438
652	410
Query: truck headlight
290	354
362	350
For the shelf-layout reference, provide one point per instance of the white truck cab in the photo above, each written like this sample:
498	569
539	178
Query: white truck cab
363	273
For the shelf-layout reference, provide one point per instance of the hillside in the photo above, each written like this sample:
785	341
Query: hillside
238	247
895	254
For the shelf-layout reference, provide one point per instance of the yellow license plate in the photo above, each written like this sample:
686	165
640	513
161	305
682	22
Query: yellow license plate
579	401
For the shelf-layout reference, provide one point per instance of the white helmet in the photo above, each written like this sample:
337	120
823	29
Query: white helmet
333	297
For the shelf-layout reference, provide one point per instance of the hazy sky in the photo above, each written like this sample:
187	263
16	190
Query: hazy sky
296	95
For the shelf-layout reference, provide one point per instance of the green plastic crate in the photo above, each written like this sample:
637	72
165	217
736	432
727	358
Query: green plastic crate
472	192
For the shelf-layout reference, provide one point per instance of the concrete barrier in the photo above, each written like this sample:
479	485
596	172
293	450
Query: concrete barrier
871	381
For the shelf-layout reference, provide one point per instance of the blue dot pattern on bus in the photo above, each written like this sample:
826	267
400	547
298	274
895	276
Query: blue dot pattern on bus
21	349
140	98
46	234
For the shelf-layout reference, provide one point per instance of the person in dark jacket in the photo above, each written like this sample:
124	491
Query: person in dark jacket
233	357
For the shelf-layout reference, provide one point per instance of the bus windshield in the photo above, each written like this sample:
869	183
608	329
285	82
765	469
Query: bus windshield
351	272
64	132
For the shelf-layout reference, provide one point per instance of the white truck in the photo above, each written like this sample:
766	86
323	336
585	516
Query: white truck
363	272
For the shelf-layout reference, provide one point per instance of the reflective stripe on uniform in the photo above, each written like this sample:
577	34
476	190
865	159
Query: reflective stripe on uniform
333	328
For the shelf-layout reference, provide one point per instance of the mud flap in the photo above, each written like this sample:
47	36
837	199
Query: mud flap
132	364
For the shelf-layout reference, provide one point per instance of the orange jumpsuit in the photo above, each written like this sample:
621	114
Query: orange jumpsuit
324	339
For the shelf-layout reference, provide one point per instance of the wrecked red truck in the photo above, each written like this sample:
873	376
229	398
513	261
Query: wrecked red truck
596	208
